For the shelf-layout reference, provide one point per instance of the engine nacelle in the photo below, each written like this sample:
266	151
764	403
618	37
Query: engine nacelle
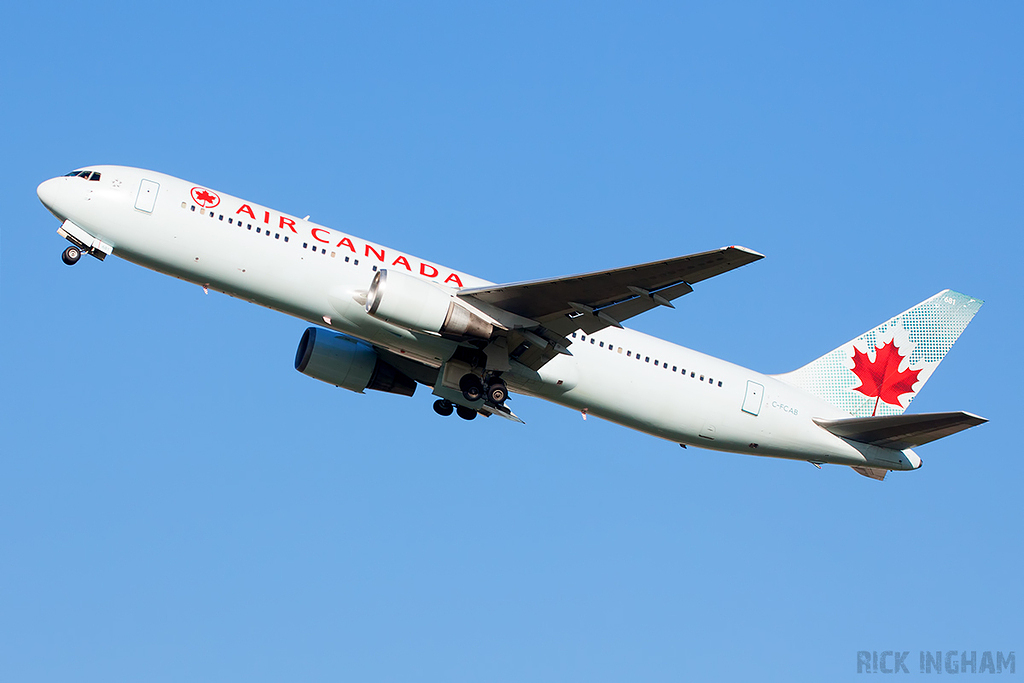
347	363
422	306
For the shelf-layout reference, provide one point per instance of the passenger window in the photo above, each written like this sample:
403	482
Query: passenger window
702	378
286	238
673	368
257	230
692	374
647	360
629	354
602	345
719	382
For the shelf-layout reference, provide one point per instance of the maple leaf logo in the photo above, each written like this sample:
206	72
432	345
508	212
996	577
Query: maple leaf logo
205	198
882	379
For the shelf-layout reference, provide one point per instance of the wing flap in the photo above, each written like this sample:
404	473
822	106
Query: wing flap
901	431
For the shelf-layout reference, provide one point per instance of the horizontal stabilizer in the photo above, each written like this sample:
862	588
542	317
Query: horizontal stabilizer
901	431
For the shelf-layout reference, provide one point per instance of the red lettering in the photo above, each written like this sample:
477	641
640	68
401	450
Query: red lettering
314	232
403	261
423	270
453	278
290	223
379	256
245	208
346	242
266	217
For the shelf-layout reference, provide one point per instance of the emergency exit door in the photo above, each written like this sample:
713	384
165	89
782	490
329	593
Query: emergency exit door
752	401
147	196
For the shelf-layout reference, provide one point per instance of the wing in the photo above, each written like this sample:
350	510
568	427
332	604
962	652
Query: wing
545	311
619	294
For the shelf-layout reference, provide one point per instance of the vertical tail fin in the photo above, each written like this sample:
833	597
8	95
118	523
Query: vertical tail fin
881	371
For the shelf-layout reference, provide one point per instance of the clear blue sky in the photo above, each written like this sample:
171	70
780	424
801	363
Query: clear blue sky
177	503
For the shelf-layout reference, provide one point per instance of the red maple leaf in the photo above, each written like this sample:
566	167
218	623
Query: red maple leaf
204	196
882	379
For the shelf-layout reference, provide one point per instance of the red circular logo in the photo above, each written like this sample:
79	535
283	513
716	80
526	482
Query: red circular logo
205	198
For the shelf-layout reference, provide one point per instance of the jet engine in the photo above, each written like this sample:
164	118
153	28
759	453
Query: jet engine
347	363
423	306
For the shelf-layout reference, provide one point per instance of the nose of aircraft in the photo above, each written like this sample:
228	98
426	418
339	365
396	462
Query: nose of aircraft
49	193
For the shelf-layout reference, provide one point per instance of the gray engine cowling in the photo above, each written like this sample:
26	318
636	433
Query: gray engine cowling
348	363
415	304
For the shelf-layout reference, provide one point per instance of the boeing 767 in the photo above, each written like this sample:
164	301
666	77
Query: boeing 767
389	321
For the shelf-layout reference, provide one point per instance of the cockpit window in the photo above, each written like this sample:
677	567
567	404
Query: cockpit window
88	175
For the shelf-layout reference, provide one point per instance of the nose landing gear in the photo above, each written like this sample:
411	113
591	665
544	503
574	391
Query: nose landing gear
71	255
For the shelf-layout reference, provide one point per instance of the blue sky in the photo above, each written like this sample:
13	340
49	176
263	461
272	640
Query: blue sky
177	503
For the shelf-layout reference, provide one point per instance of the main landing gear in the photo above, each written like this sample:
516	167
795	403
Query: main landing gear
473	389
71	255
446	408
494	391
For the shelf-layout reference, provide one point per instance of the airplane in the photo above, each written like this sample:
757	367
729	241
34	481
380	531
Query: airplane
388	321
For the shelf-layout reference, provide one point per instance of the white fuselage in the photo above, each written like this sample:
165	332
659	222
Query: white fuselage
322	275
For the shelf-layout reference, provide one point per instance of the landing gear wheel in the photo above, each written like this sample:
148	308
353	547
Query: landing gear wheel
443	407
465	413
472	388
497	392
71	255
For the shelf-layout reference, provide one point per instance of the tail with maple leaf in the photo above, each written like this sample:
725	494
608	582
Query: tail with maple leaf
881	371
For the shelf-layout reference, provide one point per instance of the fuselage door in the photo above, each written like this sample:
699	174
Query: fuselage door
147	196
752	401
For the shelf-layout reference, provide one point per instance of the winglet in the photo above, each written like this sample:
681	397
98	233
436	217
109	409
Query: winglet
756	254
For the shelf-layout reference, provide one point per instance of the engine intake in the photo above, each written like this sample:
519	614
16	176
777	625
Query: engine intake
422	306
347	363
